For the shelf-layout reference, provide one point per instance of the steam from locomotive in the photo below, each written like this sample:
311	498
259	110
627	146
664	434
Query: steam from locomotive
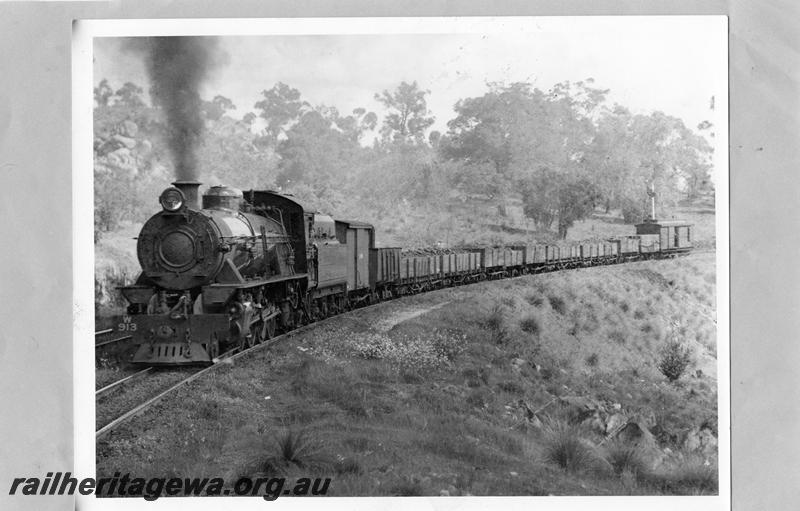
177	67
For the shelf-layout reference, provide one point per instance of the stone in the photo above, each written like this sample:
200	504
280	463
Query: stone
578	408
128	128
635	433
128	142
614	422
700	440
517	364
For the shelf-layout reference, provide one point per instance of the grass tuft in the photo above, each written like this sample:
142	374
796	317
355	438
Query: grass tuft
530	324
694	477
294	448
495	323
626	458
557	303
564	447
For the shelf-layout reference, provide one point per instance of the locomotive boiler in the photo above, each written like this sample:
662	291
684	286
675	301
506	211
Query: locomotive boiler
214	275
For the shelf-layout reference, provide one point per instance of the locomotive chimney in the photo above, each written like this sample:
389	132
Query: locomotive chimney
190	191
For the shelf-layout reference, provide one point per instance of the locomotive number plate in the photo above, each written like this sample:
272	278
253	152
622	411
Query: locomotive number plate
127	325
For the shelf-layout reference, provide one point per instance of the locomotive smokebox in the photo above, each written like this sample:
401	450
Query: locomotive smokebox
190	190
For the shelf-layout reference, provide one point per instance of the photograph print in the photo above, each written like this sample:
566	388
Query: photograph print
458	257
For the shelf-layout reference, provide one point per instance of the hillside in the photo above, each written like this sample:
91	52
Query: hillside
497	388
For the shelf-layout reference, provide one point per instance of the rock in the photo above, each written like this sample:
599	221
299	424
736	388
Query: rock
700	440
128	128
128	142
578	408
598	424
636	434
614	422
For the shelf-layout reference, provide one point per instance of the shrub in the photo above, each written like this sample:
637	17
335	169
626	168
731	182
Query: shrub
696	477
535	300
675	357
495	323
564	447
557	303
592	360
530	324
617	336
295	448
623	457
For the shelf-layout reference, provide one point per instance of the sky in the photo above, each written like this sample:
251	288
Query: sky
674	64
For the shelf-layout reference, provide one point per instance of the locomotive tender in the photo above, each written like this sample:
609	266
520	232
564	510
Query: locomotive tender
228	272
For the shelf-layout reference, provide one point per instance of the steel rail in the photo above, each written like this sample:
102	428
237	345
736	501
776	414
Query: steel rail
228	357
123	381
112	341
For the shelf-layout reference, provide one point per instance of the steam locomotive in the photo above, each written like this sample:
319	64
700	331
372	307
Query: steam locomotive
229	272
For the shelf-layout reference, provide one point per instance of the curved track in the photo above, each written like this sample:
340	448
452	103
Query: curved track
227	357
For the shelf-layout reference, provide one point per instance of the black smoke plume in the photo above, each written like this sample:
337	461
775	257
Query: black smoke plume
177	67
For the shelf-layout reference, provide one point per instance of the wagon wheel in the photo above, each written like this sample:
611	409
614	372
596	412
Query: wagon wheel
268	331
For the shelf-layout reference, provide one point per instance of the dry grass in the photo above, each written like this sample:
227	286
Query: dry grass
626	458
564	447
530	324
458	425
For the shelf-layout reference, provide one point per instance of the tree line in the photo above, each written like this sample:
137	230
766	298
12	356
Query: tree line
563	154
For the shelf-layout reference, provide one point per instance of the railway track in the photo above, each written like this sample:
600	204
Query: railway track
112	341
101	337
121	382
227	357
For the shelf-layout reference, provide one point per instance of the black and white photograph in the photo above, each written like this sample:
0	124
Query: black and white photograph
405	257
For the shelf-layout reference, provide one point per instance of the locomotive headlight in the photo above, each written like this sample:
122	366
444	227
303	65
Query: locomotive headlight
171	199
